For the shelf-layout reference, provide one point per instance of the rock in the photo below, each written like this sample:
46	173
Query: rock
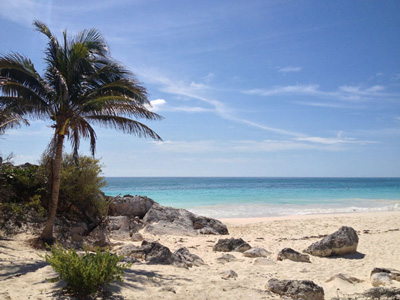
118	227
296	289
188	258
289	253
132	251
344	277
256	252
136	237
155	253
130	206
226	258
394	274
343	241
381	279
167	220
98	237
229	274
232	244
261	261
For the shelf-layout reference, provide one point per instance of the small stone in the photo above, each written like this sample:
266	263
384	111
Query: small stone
226	258
289	253
229	274
256	252
381	279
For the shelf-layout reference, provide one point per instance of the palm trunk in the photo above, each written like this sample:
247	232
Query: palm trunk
47	234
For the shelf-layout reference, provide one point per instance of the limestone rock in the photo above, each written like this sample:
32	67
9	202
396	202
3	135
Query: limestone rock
130	206
394	274
188	258
167	220
155	253
381	279
383	293
296	289
256	252
343	241
289	253
232	244
229	274
98	237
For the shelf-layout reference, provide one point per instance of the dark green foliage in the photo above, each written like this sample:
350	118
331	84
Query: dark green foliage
85	274
80	195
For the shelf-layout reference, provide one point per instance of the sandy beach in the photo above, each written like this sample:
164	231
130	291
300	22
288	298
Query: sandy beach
23	273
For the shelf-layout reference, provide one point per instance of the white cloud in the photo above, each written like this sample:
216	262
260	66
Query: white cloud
290	69
345	92
161	105
157	104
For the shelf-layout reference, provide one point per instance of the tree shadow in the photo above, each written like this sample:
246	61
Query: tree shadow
19	269
355	255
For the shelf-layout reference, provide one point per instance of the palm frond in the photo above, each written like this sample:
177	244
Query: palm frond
125	125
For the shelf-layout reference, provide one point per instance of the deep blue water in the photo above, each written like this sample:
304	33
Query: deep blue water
258	197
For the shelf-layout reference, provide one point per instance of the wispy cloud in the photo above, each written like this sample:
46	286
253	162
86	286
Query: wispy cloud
345	92
289	69
252	146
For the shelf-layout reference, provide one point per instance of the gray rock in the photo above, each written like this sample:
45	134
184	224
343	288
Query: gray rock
136	237
155	253
296	289
256	252
343	241
118	227
98	237
232	244
229	274
289	253
130	206
132	251
183	255
167	220
226	258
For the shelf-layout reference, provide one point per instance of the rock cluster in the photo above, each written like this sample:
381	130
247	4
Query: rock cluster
156	253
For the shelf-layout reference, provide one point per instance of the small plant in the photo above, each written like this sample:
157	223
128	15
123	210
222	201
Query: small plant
85	274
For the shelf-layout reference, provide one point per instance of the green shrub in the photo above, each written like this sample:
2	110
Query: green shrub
80	190
85	274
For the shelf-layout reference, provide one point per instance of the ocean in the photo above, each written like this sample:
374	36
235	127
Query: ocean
220	197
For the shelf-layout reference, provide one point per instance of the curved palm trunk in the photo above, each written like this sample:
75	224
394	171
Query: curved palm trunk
47	234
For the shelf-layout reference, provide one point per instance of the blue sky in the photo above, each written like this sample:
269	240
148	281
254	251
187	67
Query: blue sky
247	88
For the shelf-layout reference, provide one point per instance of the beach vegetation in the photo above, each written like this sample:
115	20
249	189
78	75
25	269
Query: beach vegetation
82	86
85	274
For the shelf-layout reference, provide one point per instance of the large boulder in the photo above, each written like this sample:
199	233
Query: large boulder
232	244
167	220
343	241
289	253
130	206
296	289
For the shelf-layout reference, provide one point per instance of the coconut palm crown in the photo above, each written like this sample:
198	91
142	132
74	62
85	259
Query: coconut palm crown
81	86
10	118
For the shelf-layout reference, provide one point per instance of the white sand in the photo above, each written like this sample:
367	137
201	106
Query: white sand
23	273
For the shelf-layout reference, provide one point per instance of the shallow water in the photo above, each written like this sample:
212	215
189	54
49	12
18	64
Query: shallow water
261	197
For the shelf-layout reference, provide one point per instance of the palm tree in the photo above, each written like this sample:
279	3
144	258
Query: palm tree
9	118
81	86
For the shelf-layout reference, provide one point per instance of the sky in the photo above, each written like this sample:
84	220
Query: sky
246	88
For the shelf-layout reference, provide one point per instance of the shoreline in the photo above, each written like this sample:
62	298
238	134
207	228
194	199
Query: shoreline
253	220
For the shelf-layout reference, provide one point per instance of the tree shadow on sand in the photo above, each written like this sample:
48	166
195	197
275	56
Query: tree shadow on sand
13	269
355	255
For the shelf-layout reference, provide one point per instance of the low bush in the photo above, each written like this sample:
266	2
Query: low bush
85	274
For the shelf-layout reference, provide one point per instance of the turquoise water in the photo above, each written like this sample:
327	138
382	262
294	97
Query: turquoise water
262	197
